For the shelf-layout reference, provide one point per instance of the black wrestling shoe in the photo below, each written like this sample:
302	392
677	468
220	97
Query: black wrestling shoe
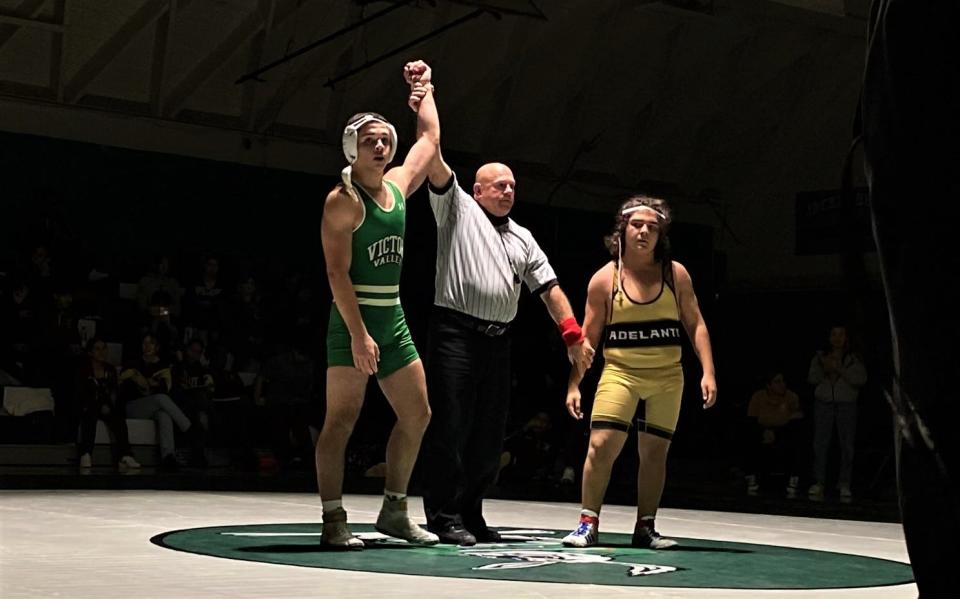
647	537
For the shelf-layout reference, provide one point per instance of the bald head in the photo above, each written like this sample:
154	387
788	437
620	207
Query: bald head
494	188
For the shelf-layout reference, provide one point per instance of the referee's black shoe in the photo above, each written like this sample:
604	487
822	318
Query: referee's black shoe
482	532
486	535
453	533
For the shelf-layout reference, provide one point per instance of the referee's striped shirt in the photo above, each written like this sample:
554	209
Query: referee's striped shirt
479	265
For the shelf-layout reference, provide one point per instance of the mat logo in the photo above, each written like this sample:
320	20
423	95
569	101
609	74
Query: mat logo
535	559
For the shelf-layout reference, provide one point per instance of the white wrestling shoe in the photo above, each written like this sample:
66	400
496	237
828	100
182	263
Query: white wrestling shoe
128	463
336	533
394	521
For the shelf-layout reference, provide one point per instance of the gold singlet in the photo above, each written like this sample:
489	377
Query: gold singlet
642	362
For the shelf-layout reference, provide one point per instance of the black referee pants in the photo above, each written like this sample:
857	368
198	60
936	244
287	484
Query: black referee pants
468	381
910	100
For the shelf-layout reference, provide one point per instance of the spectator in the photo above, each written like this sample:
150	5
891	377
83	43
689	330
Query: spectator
243	334
145	384
159	279
56	353
232	411
294	307
160	324
285	389
837	375
194	387
532	453
204	302
97	394
774	432
19	323
41	274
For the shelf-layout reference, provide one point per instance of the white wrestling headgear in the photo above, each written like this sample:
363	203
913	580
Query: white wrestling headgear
632	209
352	131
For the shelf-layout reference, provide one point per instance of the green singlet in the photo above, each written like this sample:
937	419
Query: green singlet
377	258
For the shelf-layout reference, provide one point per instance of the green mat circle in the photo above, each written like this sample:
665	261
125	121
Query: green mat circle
538	556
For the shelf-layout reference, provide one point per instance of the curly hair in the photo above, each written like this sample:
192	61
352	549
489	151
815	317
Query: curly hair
661	252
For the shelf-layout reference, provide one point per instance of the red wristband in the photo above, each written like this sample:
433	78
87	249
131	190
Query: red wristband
570	331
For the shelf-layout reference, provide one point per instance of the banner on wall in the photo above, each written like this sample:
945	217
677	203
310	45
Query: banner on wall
825	226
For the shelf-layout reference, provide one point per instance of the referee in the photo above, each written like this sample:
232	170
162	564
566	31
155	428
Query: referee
482	258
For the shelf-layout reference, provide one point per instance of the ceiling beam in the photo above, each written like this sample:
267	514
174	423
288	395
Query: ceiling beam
248	27
830	7
31	23
292	84
22	16
162	35
58	41
109	50
248	97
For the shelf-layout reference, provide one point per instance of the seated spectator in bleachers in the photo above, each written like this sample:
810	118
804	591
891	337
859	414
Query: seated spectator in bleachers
774	434
159	323
295	307
159	279
244	326
19	329
531	453
284	389
281	303
193	389
203	303
57	352
145	385
232	409
41	275
98	397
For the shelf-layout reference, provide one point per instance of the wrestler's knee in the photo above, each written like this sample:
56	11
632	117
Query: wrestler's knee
605	446
653	448
415	418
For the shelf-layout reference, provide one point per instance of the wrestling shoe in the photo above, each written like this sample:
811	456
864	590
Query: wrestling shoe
128	463
336	533
815	493
394	521
587	533
646	536
846	495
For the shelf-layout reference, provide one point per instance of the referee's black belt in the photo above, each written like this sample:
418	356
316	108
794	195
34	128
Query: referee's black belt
487	327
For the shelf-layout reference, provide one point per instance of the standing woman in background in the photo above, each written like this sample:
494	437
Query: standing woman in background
837	375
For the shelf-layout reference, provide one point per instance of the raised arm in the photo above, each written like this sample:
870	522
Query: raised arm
336	232
697	331
595	317
439	172
410	175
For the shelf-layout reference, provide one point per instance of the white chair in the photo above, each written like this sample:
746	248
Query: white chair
20	401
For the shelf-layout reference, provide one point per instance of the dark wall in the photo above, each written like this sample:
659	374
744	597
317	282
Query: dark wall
115	208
